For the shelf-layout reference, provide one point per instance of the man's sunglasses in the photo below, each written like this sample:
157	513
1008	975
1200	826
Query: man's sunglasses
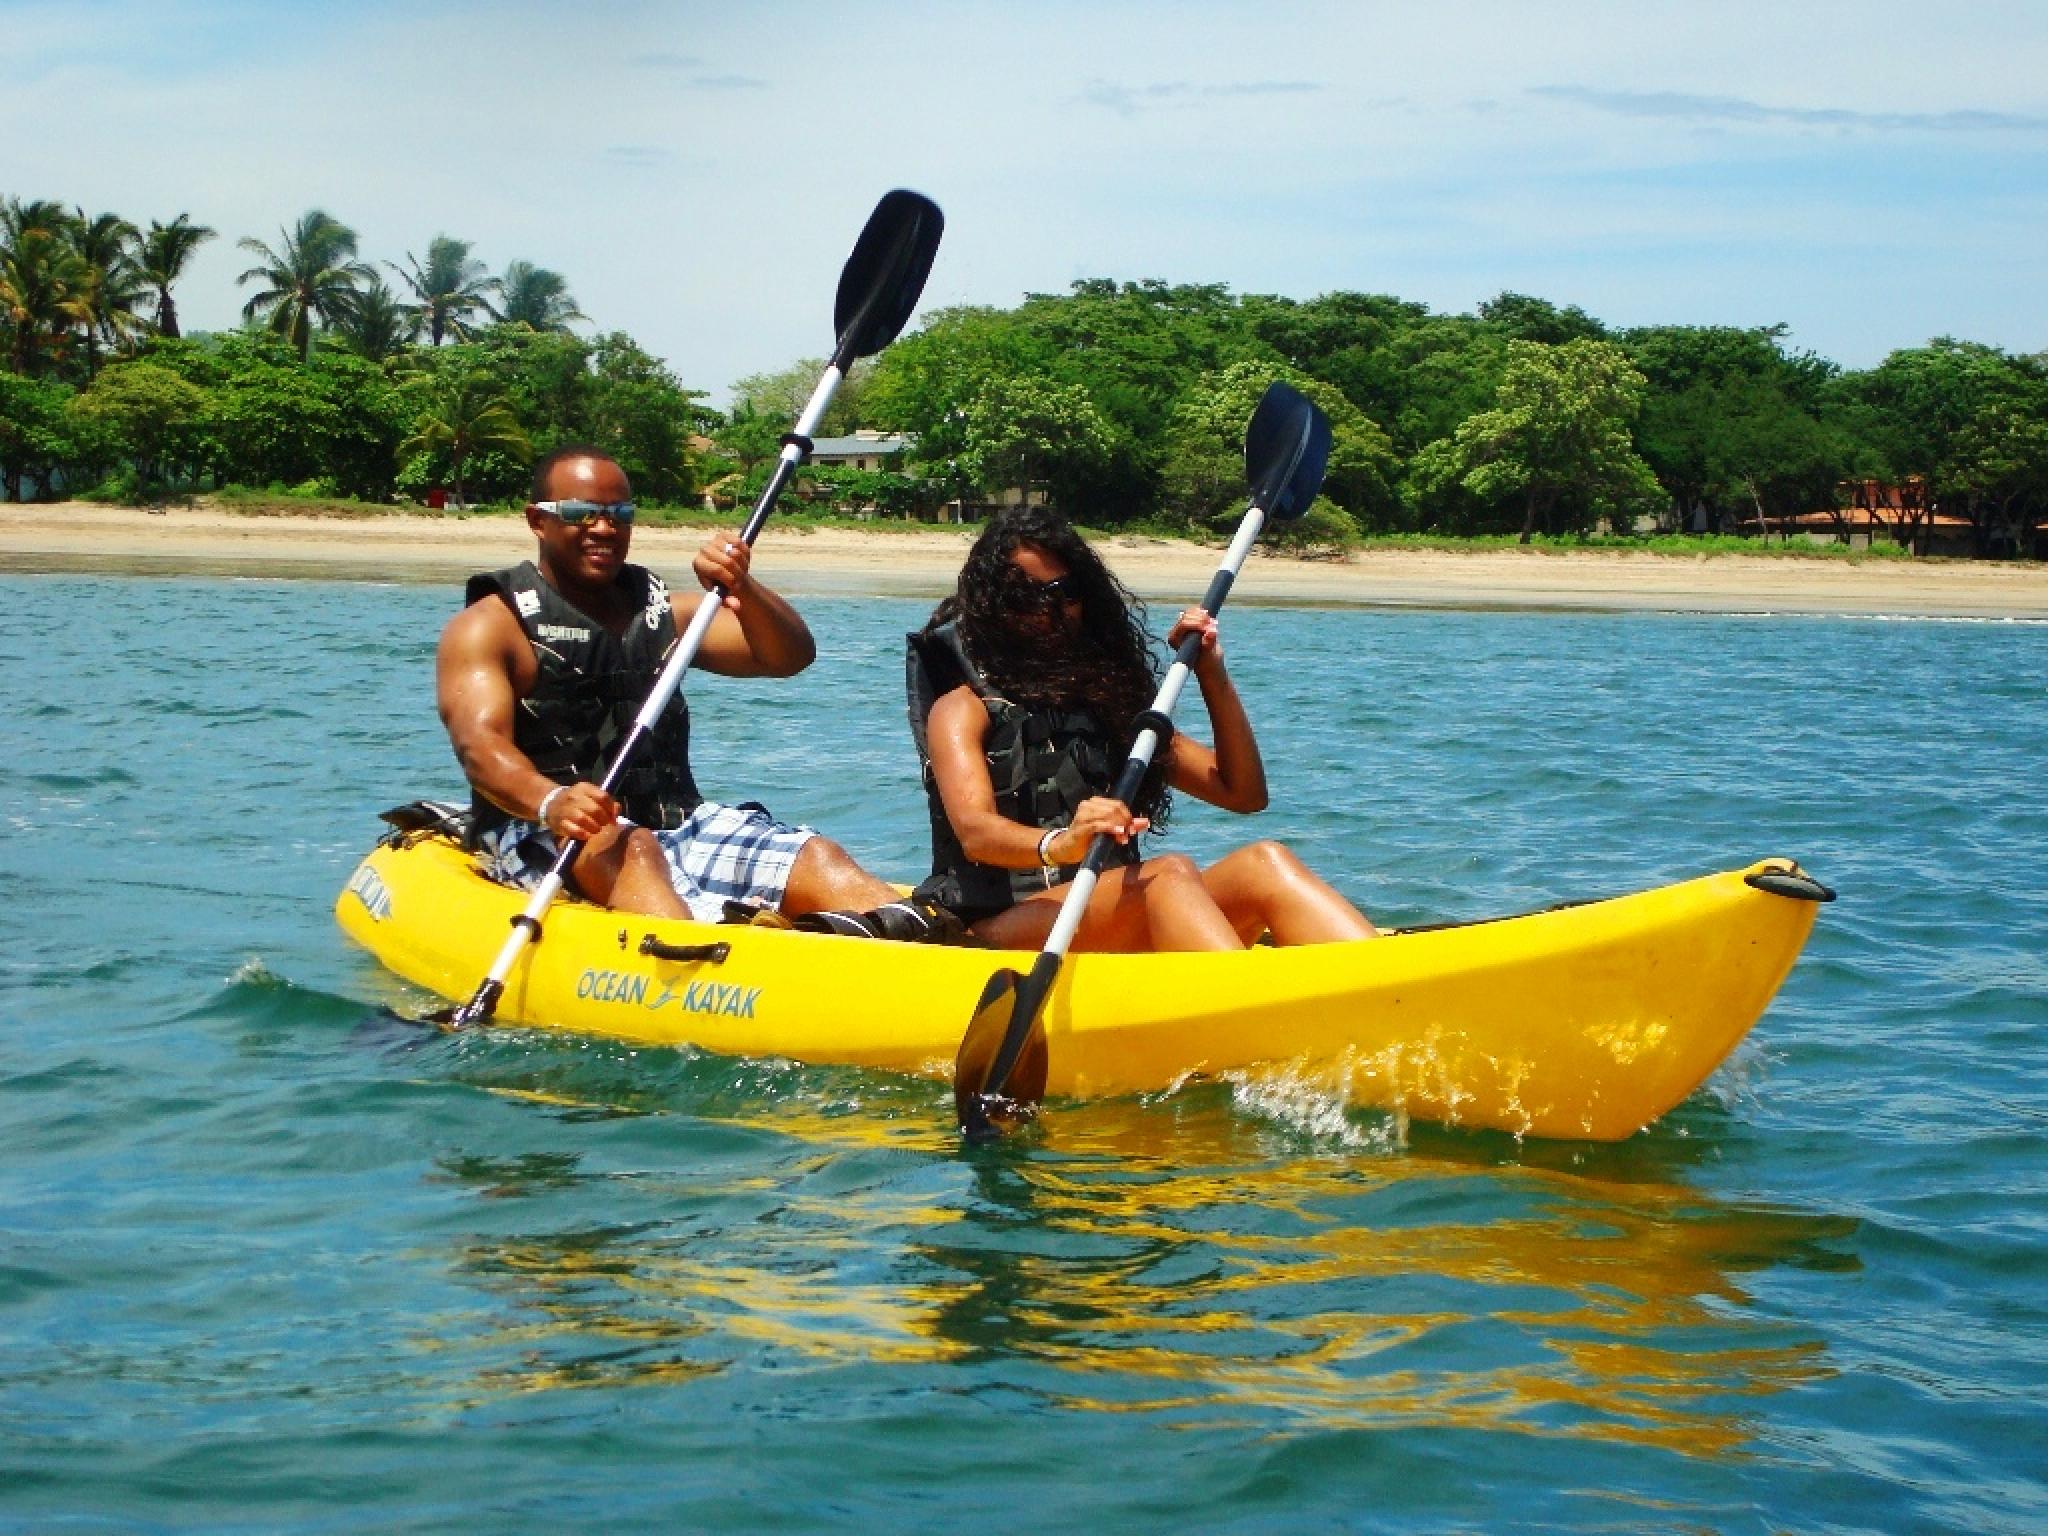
574	512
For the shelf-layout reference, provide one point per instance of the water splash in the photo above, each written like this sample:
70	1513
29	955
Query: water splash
1292	1098
257	976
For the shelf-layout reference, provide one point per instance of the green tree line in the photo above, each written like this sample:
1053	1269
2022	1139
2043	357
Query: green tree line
338	384
1128	401
1122	402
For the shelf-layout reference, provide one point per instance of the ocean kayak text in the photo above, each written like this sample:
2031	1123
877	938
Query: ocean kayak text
697	997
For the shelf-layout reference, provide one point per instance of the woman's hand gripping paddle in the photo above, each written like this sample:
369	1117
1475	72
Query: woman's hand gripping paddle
999	1075
878	288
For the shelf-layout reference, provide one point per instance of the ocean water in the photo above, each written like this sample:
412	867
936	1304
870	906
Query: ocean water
274	1259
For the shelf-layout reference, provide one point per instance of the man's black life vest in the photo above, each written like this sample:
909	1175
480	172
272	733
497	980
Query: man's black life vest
1042	762
591	685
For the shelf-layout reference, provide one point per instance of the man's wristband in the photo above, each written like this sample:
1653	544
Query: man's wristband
1045	858
547	800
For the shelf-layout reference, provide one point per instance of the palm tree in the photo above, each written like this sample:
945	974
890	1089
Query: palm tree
379	325
115	285
313	275
42	281
161	254
449	289
462	414
17	218
537	298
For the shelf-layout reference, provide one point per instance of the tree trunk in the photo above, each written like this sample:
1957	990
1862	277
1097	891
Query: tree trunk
1529	515
1980	534
2010	524
166	314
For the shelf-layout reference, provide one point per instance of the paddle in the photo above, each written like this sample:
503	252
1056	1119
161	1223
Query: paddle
878	288
999	1075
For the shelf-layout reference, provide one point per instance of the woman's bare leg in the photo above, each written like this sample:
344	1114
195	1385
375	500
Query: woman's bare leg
1162	904
1264	887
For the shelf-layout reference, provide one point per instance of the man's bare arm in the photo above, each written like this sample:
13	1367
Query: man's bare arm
474	686
755	632
479	670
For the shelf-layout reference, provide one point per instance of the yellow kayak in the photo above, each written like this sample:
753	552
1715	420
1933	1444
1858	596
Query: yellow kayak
1585	1022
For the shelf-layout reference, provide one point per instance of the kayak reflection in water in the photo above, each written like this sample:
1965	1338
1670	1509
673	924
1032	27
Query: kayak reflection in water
1024	689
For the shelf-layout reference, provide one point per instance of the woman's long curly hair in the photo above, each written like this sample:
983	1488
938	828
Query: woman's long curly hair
1106	667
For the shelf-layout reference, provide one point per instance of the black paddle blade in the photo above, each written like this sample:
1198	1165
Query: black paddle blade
884	277
1286	451
480	1008
988	1106
448	1020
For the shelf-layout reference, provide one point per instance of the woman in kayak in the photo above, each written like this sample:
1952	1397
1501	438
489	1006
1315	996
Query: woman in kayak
1024	689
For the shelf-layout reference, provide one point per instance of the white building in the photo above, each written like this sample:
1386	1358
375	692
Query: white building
865	449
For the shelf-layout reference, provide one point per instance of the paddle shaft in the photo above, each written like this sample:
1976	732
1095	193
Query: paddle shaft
1074	906
526	926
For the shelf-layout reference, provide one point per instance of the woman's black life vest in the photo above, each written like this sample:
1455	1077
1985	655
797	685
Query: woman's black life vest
1042	762
591	685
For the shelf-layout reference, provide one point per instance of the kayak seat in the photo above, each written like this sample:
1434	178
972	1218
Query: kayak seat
425	818
910	921
903	922
752	914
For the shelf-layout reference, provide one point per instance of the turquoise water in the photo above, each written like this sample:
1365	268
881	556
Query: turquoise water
272	1259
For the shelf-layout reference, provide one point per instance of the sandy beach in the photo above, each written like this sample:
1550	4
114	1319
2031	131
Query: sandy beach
73	537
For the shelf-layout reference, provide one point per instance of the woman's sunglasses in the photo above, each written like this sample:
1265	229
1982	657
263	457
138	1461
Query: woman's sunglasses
574	512
1047	596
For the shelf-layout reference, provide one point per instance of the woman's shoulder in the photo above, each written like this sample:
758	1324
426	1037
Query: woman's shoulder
959	707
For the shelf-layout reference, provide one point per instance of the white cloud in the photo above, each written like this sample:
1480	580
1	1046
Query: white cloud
1127	100
1733	109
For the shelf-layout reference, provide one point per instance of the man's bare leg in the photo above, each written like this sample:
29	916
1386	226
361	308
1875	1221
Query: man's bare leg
627	872
825	878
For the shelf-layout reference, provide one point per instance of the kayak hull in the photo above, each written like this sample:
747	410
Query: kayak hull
1586	1022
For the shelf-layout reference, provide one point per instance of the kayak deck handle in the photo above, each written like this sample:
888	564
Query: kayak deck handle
685	953
1791	881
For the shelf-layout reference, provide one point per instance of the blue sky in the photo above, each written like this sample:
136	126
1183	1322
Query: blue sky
1869	174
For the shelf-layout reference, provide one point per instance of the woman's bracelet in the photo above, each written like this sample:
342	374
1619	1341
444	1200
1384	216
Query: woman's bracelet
1045	858
547	800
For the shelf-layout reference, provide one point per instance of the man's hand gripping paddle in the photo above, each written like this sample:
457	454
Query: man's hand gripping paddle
878	288
999	1075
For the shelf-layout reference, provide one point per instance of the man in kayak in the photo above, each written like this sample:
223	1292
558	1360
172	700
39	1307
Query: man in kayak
1029	681
545	669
